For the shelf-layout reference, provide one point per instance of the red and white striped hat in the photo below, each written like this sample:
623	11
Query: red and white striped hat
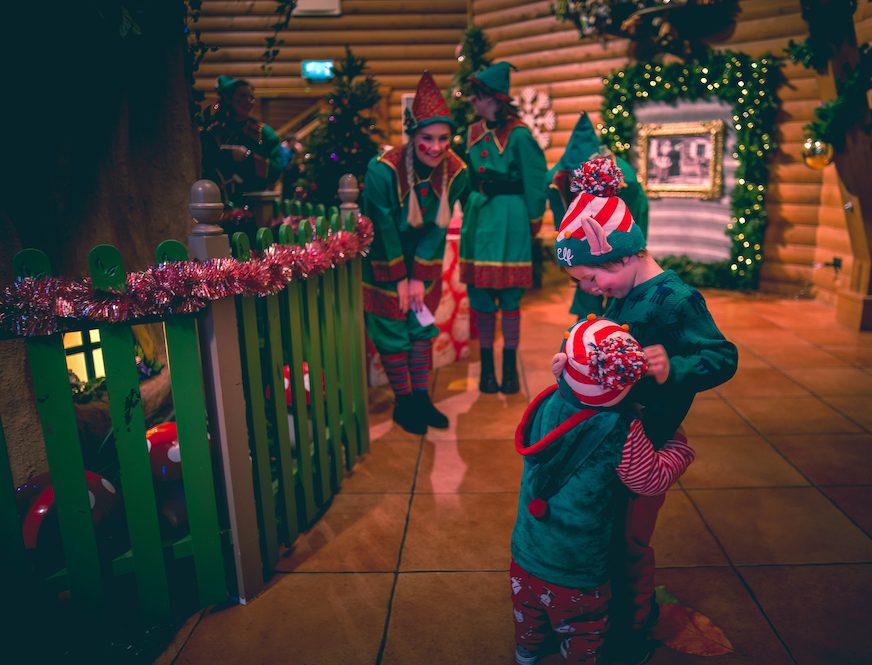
597	227
603	362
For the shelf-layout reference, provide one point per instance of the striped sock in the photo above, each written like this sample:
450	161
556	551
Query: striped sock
397	368
512	329
420	363
486	322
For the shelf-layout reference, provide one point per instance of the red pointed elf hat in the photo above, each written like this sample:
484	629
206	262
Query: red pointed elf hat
428	107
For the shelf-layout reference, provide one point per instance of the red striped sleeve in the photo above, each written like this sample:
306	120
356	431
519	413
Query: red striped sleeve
650	472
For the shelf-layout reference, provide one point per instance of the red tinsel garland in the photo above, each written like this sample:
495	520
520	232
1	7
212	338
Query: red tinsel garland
47	305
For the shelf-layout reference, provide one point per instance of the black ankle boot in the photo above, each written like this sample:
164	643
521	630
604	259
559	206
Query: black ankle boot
408	415
487	382
510	385
429	413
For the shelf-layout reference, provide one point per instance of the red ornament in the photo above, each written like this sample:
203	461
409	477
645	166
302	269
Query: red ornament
538	508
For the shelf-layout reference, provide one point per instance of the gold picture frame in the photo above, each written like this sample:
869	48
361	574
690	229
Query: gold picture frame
682	159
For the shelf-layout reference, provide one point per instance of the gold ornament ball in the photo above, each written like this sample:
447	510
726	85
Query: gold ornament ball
458	139
816	153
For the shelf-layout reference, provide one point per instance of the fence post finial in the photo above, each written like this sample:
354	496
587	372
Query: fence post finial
206	208
348	192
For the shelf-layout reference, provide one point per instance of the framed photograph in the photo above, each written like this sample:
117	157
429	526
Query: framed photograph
682	159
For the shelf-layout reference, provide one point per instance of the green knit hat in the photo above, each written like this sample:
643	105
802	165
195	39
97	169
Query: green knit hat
597	227
495	80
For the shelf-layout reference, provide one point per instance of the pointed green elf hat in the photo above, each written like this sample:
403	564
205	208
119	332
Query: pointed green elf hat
583	142
495	80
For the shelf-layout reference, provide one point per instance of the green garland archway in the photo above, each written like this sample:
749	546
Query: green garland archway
747	84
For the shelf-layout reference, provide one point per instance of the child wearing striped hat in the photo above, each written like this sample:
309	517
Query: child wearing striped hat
601	247
579	446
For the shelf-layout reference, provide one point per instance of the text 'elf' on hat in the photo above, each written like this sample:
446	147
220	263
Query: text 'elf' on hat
603	362
597	227
494	80
428	107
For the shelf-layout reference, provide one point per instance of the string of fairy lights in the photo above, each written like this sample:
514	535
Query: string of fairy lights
749	85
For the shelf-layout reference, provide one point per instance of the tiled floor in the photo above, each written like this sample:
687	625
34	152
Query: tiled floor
768	532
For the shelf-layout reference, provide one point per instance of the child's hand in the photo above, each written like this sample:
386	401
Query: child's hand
558	362
658	362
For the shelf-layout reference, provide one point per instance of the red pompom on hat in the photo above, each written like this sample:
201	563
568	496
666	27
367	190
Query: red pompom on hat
538	508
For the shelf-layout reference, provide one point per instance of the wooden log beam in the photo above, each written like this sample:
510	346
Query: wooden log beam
385	23
348	8
228	37
437	52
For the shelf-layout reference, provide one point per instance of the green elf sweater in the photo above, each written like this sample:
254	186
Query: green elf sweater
505	207
664	310
400	251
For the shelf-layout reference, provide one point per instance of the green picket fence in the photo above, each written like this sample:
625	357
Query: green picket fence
299	453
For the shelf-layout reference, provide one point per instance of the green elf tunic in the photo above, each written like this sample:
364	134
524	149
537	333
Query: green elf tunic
401	251
505	206
259	171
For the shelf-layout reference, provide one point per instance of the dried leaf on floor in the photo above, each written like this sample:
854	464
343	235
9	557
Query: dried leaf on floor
685	630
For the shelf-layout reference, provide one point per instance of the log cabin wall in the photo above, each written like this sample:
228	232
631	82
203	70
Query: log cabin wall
806	222
399	39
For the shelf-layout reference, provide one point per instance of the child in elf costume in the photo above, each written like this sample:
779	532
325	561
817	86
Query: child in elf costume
579	447
504	210
583	145
409	193
602	248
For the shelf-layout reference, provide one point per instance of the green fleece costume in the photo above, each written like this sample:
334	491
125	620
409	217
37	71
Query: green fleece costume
584	143
576	474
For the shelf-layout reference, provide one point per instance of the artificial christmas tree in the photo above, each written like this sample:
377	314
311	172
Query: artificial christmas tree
471	56
345	141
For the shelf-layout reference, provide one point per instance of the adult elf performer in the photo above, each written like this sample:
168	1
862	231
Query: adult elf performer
240	153
584	145
504	210
408	194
